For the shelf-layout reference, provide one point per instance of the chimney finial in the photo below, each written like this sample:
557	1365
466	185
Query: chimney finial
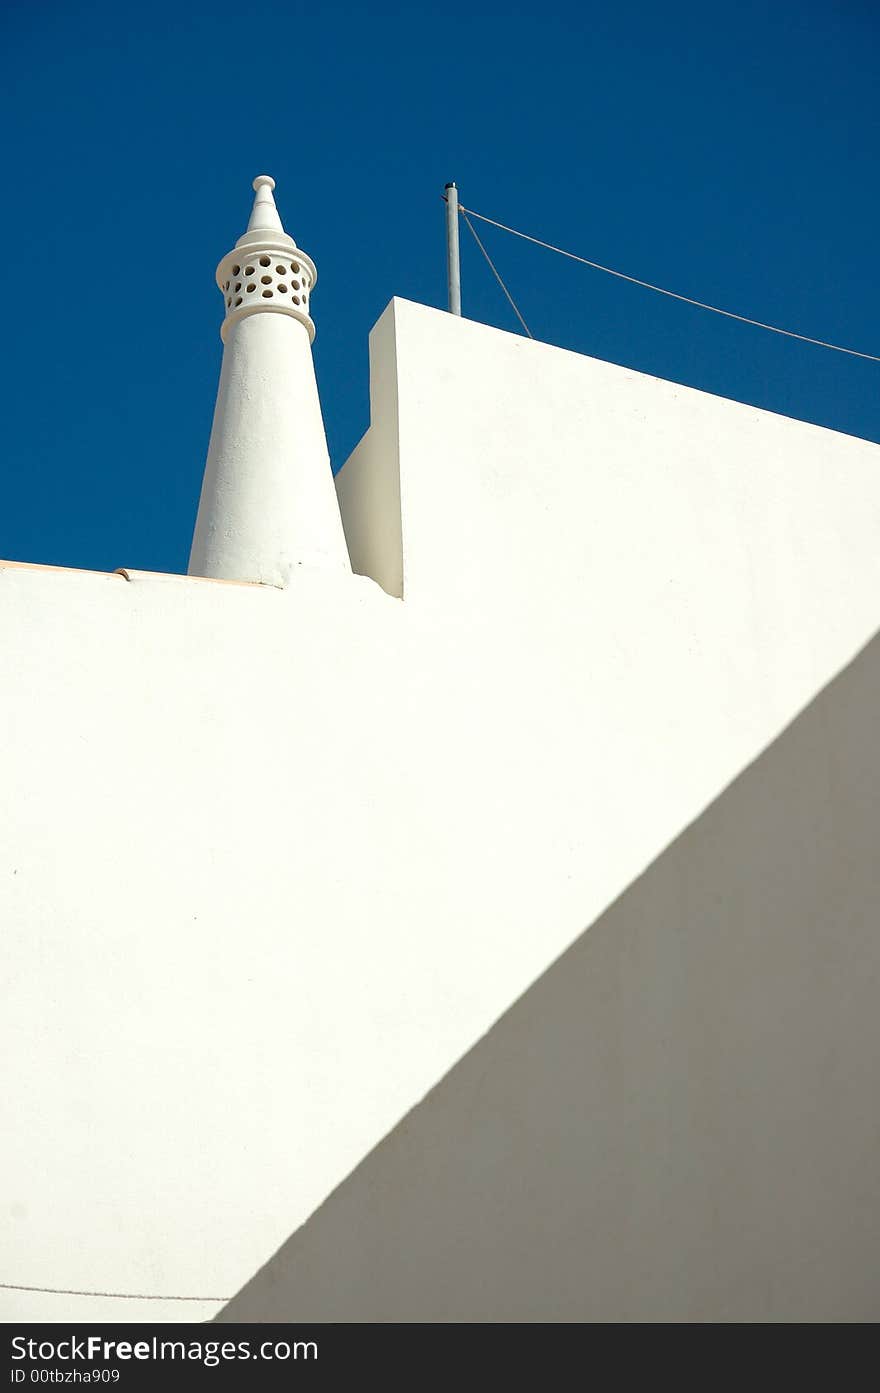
264	214
268	503
266	270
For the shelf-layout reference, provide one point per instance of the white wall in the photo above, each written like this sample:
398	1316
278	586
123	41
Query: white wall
271	861
368	487
679	1120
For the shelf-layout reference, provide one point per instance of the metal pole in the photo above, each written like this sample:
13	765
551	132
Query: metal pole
453	263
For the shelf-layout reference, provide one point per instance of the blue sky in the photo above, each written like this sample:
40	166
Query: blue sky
728	152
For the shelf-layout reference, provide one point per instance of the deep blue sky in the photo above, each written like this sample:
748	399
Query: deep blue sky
728	152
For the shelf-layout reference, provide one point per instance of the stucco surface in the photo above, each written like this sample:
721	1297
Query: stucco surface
272	861
679	1121
267	506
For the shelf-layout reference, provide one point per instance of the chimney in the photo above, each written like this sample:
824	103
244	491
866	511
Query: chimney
268	504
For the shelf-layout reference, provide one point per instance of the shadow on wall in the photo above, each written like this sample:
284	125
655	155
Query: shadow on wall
680	1121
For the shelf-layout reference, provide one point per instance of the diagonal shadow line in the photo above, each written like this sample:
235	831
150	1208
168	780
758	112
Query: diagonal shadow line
679	1120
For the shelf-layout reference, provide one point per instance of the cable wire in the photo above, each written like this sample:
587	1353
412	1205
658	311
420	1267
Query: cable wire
646	285
463	212
116	1295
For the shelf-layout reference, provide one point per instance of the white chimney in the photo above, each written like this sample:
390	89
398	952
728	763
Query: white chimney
268	503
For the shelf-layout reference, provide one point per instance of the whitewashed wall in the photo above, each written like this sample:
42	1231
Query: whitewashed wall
679	1120
272	861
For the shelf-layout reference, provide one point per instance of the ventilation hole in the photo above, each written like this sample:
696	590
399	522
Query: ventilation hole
235	270
280	270
283	289
249	270
296	299
266	280
264	261
295	285
237	286
238	302
226	286
251	288
294	266
267	295
229	302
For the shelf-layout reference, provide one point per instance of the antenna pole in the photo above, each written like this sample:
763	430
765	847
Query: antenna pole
453	262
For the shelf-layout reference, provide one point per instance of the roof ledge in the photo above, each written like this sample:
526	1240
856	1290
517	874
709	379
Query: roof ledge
127	573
